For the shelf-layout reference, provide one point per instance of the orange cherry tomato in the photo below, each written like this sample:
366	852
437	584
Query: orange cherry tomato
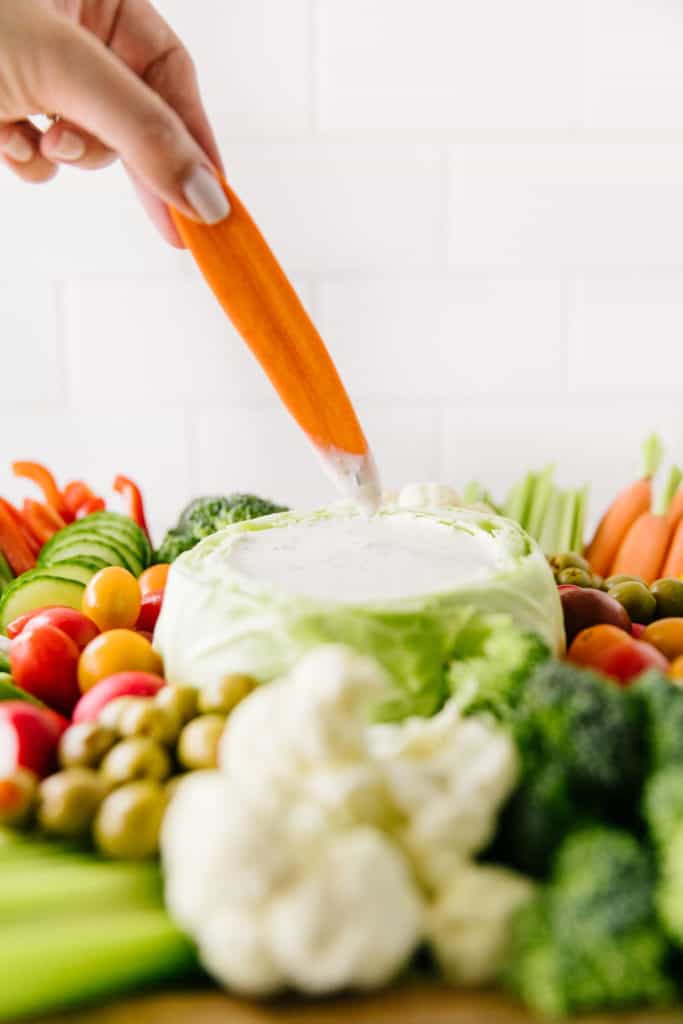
112	599
676	671
590	645
667	636
153	580
118	650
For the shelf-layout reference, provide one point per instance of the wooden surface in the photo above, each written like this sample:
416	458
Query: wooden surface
400	1006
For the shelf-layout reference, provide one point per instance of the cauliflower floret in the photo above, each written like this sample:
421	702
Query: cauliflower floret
428	495
449	777
468	923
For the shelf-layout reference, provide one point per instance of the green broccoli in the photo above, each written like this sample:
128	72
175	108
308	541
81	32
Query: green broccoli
670	889
663	804
660	703
205	516
580	746
590	940
492	662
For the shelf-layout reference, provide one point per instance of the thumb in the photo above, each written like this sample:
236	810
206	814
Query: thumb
91	87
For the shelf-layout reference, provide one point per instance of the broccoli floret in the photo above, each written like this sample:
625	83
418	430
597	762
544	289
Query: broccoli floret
663	805
205	516
660	703
590	940
493	661
670	889
579	740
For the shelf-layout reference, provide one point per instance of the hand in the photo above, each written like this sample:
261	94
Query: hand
123	85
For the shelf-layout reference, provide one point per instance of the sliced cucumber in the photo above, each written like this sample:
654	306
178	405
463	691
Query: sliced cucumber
90	546
82	569
135	537
37	589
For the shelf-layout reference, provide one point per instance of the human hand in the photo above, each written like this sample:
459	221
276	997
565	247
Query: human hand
123	85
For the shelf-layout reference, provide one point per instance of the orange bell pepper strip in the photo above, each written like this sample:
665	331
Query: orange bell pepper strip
32	541
45	481
13	543
42	520
133	497
80	500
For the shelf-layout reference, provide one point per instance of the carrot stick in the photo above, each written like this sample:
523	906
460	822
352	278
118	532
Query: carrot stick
675	510
32	541
13	544
673	564
643	549
629	504
44	480
42	520
258	298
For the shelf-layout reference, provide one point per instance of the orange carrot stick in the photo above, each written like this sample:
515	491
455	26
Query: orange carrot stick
643	549
13	543
627	507
673	564
675	511
258	298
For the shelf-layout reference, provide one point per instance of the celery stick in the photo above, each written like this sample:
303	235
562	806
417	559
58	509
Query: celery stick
55	885
472	493
551	524
578	543
567	518
59	964
539	504
519	500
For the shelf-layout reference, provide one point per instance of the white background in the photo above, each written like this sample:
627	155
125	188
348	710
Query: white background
481	202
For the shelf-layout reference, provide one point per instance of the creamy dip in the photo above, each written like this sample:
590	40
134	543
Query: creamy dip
358	559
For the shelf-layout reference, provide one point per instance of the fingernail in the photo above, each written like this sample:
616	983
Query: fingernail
69	147
205	195
18	148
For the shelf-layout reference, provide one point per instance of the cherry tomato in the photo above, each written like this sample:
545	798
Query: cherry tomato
44	661
589	647
154	579
112	598
149	612
676	670
79	627
667	636
637	630
587	607
630	660
118	650
123	684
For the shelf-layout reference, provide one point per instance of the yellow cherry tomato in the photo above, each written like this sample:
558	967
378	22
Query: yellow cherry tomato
153	580
676	671
112	599
118	650
667	636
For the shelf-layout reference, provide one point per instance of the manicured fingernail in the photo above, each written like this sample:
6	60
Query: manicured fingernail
69	147
205	195
18	148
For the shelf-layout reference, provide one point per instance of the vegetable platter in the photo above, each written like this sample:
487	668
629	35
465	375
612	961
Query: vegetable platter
298	755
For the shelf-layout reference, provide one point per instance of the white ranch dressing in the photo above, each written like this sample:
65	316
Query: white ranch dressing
365	559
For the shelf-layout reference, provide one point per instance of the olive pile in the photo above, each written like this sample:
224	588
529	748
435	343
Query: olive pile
117	773
644	604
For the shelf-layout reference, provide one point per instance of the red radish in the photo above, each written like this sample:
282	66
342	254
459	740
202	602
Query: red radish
122	684
628	661
75	624
28	737
149	612
44	662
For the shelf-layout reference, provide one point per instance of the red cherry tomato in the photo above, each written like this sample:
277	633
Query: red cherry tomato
149	612
123	684
627	661
79	627
44	662
637	630
28	737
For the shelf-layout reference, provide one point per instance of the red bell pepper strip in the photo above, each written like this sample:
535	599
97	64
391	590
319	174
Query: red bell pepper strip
76	495
89	506
42	520
13	543
131	493
45	481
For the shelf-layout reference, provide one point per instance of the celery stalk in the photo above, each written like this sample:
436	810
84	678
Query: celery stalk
539	504
578	544
472	493
567	518
551	523
57	964
519	501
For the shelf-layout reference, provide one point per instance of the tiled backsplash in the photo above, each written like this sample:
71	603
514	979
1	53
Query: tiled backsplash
481	204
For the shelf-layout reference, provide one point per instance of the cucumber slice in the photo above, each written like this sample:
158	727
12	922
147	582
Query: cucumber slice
89	546
81	568
70	538
37	589
135	537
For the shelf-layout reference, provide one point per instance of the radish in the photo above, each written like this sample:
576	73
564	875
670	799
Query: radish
28	737
122	684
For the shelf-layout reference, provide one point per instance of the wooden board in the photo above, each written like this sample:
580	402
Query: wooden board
415	1005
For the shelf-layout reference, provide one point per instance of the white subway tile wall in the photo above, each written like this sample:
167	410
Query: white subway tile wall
481	205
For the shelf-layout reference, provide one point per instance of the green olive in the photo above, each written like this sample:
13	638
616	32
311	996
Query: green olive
111	713
222	696
612	581
569	560
636	598
68	802
137	757
18	793
84	744
178	701
669	597
129	820
198	743
142	717
576	577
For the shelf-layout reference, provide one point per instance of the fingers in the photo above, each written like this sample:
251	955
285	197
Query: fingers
67	143
91	87
158	213
20	151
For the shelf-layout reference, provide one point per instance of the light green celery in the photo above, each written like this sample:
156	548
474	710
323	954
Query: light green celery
60	963
539	504
520	499
551	524
473	493
567	518
673	482
578	542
